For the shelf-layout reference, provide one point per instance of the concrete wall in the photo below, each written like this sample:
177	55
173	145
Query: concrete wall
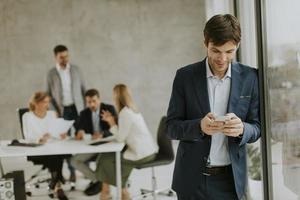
137	42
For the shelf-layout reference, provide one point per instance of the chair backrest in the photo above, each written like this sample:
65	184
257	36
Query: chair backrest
164	142
21	112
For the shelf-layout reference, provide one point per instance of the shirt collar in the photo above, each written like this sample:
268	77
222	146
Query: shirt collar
97	111
60	69
210	74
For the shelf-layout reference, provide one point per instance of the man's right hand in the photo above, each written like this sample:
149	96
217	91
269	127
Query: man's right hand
209	126
79	135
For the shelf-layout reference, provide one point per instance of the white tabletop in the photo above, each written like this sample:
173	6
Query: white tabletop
58	147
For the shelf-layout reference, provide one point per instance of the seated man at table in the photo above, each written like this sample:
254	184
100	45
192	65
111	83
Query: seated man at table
90	122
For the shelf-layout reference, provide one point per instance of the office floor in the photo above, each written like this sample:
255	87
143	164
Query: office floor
142	179
138	179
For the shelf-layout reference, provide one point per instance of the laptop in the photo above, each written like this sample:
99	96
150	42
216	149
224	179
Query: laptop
101	141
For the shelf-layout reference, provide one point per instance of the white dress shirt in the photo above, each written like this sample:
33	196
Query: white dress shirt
96	120
35	127
218	91
65	77
133	130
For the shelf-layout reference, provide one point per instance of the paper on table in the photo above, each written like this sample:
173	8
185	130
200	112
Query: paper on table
58	126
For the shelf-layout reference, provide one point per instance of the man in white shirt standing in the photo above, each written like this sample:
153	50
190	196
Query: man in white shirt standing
66	88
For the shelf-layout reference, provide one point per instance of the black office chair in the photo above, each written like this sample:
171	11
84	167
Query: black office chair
164	156
21	112
36	184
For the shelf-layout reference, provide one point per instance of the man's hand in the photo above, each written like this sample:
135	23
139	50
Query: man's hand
108	117
233	127
80	135
209	126
97	135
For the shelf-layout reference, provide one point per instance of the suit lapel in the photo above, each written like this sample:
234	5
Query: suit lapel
90	120
236	86
200	82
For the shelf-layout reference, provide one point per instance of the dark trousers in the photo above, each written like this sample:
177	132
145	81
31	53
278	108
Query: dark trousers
53	163
70	113
214	187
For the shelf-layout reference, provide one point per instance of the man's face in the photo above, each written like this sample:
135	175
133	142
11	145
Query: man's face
62	58
93	102
219	57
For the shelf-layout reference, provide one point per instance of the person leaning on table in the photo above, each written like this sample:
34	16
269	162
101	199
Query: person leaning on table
133	131
35	128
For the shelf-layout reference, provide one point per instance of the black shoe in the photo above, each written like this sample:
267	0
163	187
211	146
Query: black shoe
61	194
72	177
93	188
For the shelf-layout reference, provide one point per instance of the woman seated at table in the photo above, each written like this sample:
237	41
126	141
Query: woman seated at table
35	128
133	131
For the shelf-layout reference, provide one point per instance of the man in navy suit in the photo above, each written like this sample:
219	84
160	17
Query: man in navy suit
214	112
91	122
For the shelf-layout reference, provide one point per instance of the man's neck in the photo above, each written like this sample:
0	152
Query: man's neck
220	75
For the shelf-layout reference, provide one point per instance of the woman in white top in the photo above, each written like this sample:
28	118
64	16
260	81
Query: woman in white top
133	131
35	128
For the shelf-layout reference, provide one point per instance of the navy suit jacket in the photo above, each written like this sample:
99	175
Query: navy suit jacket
189	103
85	120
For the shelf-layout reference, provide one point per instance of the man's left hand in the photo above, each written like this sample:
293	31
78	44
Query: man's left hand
233	127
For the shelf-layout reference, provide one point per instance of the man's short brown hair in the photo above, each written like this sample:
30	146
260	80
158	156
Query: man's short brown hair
92	93
222	28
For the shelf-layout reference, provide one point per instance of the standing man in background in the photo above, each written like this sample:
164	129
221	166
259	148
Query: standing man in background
66	88
214	112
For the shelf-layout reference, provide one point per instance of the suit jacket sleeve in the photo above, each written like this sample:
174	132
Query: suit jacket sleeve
178	127
81	122
82	86
53	104
252	123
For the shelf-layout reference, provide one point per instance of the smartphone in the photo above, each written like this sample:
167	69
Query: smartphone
221	118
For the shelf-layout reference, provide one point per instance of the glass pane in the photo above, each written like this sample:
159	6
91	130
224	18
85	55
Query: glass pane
248	56
283	44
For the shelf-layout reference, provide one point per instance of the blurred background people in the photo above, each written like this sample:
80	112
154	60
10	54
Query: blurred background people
35	128
66	89
90	122
133	131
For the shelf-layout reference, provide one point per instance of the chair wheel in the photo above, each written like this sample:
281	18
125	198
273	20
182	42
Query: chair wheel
170	193
51	195
29	194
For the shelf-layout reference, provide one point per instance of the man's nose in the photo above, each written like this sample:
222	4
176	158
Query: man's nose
222	57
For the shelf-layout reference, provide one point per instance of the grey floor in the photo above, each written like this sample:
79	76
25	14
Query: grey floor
138	179
142	179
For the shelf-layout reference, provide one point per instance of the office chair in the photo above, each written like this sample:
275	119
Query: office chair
39	173
21	112
164	156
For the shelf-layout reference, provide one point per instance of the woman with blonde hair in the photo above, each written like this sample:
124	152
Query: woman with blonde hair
133	131
35	128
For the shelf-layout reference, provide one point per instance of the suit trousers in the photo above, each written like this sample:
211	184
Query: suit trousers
214	187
